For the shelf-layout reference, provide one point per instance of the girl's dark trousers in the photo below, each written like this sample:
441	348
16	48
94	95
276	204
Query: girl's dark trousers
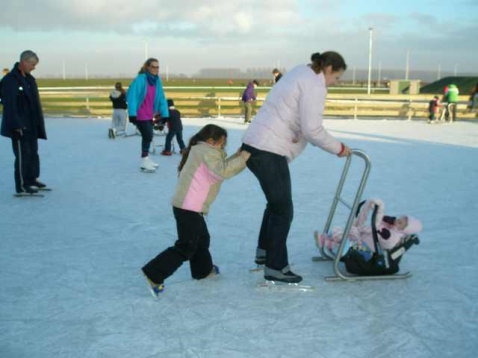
192	244
272	171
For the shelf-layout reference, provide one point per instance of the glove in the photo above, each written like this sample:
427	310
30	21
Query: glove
132	119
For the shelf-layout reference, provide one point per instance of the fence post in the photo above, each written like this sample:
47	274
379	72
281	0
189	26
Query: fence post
409	109
219	107
355	108
87	103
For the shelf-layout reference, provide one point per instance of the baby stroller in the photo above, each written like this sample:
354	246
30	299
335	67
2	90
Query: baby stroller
379	264
361	260
160	129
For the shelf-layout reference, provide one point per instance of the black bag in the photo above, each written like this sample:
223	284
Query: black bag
356	263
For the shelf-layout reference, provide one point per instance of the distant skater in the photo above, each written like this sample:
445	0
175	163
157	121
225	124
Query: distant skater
433	107
248	98
175	129
451	99
203	168
146	101
277	75
118	121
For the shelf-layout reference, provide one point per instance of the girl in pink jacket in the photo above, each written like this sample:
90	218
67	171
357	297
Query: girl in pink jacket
203	168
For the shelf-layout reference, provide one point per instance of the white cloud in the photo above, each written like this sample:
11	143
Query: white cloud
149	16
239	32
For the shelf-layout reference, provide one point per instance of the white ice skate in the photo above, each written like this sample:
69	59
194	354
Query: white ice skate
146	166
154	164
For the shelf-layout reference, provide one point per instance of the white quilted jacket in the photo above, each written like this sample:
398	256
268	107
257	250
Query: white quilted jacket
291	116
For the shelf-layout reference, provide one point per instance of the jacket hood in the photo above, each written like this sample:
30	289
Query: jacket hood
414	226
115	94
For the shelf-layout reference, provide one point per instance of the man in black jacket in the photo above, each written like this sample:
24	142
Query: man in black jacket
23	122
277	75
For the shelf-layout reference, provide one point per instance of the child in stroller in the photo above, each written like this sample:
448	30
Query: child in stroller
376	249
391	231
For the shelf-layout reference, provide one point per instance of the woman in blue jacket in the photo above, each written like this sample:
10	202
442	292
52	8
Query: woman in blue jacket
146	101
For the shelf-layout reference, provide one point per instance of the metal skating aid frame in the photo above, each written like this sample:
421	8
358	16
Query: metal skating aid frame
327	255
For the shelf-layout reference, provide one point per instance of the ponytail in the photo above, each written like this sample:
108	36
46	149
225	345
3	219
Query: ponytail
330	58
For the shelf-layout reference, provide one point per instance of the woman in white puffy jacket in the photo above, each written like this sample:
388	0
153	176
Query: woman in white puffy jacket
290	117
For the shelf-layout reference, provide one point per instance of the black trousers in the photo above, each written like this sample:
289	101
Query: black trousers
27	160
146	130
169	139
192	244
272	171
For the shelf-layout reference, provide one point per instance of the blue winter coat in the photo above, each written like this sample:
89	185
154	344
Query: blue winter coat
137	93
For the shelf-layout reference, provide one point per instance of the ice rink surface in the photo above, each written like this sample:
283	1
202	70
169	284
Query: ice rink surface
71	285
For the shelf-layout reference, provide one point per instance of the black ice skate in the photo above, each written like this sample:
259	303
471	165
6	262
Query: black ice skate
40	186
285	275
27	191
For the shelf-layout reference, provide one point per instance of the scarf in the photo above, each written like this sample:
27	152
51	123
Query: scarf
152	79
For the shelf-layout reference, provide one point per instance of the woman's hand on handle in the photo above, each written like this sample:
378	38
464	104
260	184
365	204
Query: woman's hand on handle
345	152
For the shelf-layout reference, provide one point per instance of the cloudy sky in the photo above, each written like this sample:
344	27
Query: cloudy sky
112	37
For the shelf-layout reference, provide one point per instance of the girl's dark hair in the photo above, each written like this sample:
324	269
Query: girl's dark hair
146	64
209	131
330	58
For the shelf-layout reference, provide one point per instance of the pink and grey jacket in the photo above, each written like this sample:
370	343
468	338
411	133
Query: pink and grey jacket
202	176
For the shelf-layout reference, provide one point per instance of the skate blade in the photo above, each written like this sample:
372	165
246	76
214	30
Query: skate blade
154	292
44	189
21	195
258	268
283	286
143	170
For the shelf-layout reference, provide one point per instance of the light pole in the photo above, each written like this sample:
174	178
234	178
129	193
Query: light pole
86	72
407	65
370	31
145	49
